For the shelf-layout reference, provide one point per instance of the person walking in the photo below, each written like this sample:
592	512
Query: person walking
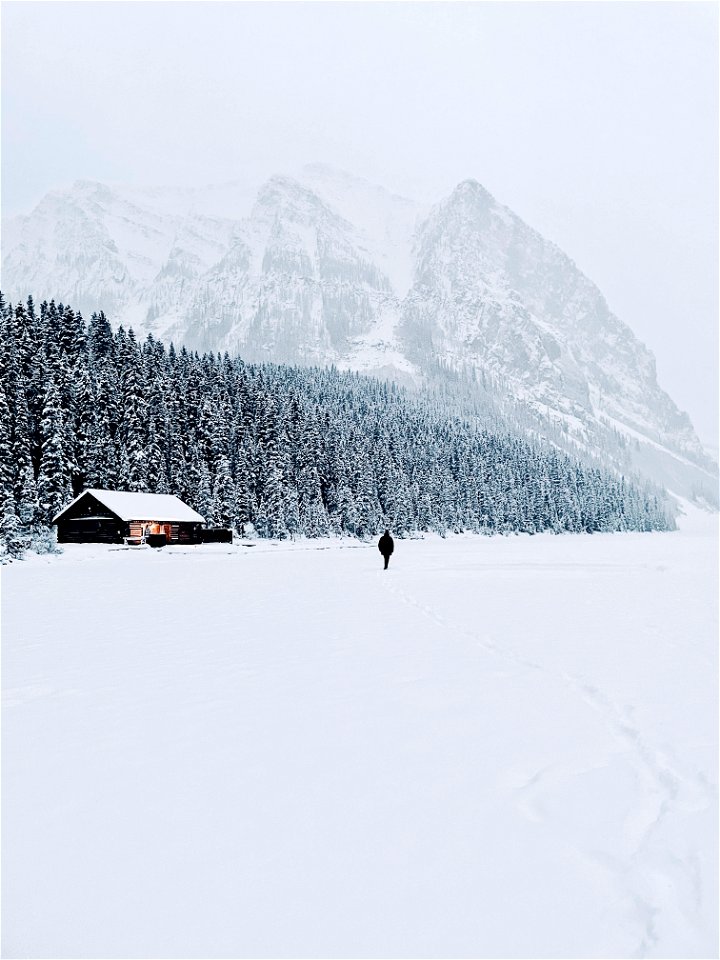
386	545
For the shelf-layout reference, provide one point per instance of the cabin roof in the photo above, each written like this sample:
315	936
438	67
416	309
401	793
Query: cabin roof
163	507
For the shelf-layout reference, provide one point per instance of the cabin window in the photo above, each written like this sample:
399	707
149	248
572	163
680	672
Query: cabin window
139	528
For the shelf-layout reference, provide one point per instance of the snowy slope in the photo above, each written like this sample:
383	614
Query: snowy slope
326	268
501	747
387	221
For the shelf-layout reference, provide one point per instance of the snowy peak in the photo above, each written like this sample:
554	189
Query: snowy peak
472	194
292	218
289	198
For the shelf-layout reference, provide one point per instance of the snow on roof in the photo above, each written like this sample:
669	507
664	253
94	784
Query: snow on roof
142	506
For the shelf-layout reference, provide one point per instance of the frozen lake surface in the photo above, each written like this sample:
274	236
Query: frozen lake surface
500	747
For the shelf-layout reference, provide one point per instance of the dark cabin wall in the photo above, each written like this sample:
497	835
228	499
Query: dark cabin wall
189	533
73	527
91	531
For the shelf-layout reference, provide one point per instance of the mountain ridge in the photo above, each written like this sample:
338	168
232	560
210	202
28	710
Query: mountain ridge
326	268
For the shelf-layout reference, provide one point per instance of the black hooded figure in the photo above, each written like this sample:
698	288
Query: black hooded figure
386	545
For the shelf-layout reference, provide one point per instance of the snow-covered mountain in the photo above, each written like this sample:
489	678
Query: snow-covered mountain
323	267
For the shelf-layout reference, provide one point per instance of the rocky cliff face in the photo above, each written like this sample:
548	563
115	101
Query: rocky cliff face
326	268
490	293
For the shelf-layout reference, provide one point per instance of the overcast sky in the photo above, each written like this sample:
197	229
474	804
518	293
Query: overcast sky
596	122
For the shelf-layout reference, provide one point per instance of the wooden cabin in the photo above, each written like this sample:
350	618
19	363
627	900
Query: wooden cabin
108	516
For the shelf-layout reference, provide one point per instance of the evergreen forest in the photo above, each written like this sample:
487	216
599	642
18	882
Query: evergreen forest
269	450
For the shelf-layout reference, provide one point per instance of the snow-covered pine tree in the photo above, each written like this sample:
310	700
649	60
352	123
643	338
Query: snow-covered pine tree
54	488
131	428
11	543
223	495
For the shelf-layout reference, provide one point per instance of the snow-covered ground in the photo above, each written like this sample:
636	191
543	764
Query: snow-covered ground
499	747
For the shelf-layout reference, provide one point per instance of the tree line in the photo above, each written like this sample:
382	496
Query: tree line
267	449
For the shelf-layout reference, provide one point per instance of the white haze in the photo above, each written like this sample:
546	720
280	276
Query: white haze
597	123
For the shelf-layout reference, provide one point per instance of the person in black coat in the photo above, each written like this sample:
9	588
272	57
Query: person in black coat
386	545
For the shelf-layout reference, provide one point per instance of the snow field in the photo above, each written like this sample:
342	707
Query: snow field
500	747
